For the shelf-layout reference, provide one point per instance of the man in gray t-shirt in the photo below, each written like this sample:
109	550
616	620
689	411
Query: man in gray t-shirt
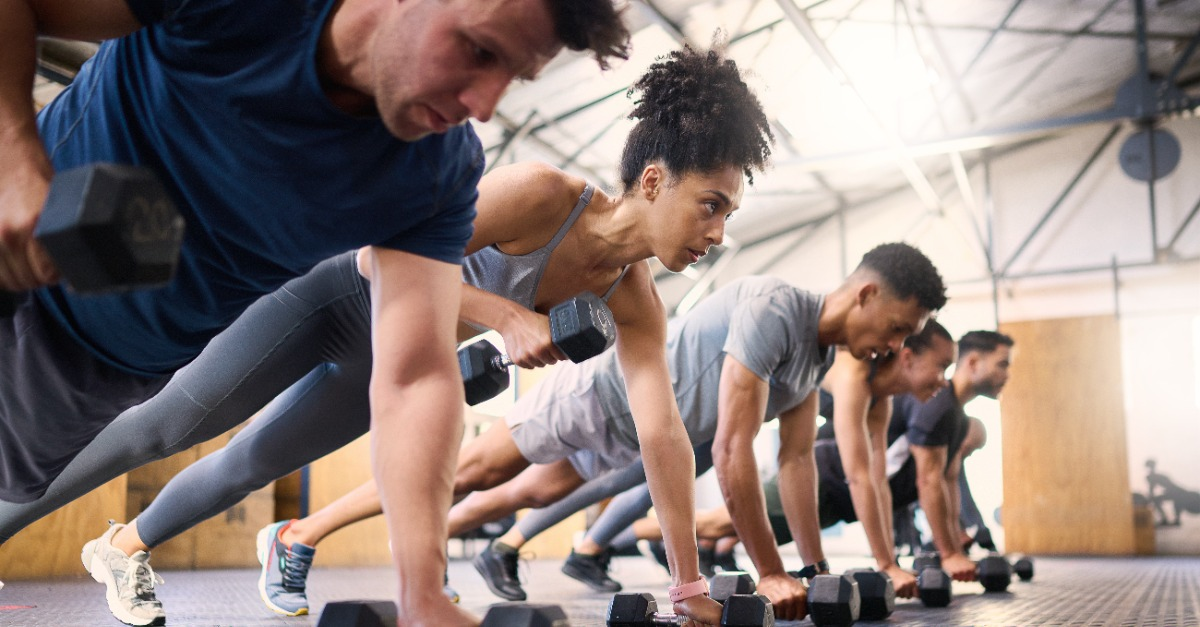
752	351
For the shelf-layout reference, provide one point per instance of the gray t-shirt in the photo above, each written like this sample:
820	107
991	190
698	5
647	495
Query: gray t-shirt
767	325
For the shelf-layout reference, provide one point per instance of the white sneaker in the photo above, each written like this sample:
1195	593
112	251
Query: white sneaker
129	580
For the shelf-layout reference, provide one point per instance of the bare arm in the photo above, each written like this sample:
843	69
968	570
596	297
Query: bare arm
847	381
798	477
935	500
670	462
25	169
877	424
416	388
741	407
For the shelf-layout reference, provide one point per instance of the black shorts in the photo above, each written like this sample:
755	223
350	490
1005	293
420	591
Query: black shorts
55	396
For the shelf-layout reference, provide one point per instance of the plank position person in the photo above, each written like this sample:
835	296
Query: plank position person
678	196
750	352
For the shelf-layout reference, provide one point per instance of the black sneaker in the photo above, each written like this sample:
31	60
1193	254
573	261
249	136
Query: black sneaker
707	561
499	571
591	570
725	563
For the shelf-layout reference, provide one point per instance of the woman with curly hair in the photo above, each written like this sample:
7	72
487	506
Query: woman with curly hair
541	236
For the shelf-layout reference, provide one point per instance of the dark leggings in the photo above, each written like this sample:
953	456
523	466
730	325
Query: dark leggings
307	346
632	504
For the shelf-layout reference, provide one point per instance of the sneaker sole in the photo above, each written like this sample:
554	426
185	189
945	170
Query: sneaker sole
577	576
104	575
263	542
488	580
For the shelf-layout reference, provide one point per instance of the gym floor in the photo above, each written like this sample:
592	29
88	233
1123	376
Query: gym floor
1162	592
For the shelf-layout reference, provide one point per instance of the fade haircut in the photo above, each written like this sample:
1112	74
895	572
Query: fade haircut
695	114
907	273
595	25
982	342
923	341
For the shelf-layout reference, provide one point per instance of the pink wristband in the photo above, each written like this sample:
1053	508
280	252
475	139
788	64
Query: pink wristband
688	590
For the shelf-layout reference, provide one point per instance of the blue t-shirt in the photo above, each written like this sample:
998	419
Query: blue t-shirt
222	98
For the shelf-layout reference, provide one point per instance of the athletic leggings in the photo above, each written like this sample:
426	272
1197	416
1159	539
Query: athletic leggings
307	346
632	503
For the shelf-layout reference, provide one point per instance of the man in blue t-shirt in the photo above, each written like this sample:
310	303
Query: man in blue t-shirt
286	132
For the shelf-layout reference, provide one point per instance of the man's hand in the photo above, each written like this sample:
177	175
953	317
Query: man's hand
701	609
527	341
24	264
903	581
788	596
959	567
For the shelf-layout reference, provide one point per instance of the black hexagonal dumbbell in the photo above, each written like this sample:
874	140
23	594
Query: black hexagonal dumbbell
1023	567
926	560
933	586
631	609
834	600
581	328
994	572
108	228
383	614
728	583
877	592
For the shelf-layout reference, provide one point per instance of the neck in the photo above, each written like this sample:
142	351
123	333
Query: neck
831	324
618	232
341	56
963	390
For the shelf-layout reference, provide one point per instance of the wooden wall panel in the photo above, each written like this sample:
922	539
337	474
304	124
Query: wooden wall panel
360	544
1066	474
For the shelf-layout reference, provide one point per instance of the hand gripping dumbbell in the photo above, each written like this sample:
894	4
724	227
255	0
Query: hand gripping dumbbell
383	614
631	609
581	328
108	228
994	572
835	599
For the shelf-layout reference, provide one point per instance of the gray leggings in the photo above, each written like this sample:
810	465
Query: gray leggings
307	346
632	503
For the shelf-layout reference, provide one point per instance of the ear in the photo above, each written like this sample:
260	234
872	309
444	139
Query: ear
866	292
651	181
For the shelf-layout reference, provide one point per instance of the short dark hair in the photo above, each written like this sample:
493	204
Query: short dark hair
921	342
695	114
908	273
982	342
594	25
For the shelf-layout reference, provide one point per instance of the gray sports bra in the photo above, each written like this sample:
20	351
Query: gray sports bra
517	277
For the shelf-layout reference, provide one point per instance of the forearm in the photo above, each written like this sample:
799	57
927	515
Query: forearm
867	506
934	499
487	310
415	475
670	474
953	513
798	492
18	50
737	474
884	495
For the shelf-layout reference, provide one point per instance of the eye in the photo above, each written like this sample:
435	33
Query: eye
481	55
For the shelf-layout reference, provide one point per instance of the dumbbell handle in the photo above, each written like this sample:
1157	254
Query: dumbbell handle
500	362
658	618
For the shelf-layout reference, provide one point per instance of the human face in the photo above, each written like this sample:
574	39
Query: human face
879	322
925	372
436	63
991	371
689	213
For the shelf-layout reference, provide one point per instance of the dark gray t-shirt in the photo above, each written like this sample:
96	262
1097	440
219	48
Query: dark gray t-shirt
766	324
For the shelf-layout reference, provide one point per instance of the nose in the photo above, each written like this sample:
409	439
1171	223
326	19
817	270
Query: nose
895	344
483	93
716	235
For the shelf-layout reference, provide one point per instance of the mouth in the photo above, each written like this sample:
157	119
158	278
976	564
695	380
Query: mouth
695	254
437	122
